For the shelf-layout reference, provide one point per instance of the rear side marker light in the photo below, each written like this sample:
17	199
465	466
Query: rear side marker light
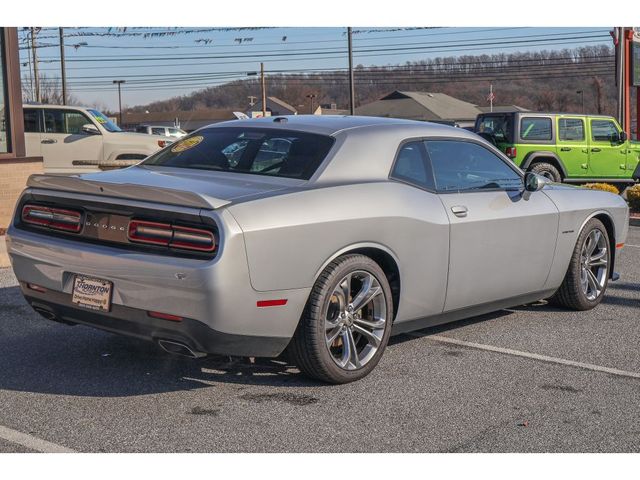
511	152
619	245
173	236
54	218
37	288
165	316
272	303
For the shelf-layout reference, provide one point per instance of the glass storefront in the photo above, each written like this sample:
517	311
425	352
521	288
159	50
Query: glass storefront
4	108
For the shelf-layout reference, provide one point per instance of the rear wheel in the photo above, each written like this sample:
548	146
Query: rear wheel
546	170
588	274
347	322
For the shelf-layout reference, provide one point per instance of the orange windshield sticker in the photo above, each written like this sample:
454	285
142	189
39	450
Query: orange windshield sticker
187	143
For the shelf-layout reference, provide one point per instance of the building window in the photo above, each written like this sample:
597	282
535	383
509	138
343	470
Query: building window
4	107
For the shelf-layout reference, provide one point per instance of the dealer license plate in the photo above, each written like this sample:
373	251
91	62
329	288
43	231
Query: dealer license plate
92	293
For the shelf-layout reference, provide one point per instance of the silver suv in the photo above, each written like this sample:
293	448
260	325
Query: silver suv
78	140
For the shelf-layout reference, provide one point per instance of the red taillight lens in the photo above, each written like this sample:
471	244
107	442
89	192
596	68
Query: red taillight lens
165	316
55	218
173	236
511	152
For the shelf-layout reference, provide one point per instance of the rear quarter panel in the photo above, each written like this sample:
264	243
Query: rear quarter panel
291	238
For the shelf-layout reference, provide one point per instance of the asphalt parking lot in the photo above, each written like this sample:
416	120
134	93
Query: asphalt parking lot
528	379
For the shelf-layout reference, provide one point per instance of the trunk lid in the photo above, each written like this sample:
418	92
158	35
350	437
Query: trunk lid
172	186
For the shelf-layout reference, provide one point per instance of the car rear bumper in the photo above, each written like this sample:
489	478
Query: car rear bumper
137	323
221	310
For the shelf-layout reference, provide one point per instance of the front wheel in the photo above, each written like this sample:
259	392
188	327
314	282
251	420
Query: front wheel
588	274
346	323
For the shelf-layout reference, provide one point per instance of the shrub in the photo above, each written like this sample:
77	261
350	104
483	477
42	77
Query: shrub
633	197
602	186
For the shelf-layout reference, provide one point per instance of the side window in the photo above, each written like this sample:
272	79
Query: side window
31	122
64	121
141	129
571	129
412	166
466	166
603	130
157	131
535	128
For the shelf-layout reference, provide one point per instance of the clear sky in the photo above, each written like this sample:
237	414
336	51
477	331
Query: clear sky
158	63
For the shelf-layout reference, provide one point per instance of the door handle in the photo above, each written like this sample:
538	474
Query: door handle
595	149
49	140
565	149
459	210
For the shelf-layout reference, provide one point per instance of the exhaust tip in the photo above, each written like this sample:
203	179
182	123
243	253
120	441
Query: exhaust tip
179	348
48	314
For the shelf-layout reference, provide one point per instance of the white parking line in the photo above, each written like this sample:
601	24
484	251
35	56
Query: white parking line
635	246
31	442
534	356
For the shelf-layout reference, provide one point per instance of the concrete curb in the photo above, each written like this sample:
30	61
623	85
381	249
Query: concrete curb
634	221
4	258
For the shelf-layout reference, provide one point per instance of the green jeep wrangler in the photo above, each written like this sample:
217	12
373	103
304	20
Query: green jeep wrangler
564	147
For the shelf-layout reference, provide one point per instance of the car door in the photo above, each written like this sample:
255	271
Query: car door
32	131
572	147
502	239
607	156
66	147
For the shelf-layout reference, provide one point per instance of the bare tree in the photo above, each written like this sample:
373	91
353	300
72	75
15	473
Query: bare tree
50	90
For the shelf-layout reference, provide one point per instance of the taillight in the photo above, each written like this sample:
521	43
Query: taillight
511	152
163	143
173	236
54	218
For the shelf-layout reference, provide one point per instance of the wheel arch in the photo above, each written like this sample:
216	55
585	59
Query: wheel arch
610	226
546	156
383	256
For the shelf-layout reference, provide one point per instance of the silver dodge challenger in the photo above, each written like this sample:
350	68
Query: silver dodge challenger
316	237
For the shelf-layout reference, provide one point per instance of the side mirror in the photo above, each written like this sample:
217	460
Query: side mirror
90	129
534	182
623	137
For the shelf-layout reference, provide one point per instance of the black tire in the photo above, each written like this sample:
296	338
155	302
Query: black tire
546	170
571	293
308	347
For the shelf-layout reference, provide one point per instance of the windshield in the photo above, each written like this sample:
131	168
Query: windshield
280	153
103	120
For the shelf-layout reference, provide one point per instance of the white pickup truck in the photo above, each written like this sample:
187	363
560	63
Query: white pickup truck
79	140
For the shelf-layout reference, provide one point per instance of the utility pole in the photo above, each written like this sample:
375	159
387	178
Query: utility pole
491	97
35	64
627	38
618	39
264	90
352	92
119	83
581	93
63	70
30	73
252	100
311	96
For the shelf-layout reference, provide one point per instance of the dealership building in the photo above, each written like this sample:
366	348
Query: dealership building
15	166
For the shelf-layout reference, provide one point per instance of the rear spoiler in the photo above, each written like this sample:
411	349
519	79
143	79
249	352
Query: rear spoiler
167	196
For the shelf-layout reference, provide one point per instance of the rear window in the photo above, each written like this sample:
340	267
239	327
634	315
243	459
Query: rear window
274	152
499	126
535	128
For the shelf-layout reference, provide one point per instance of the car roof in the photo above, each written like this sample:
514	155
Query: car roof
329	124
546	114
71	107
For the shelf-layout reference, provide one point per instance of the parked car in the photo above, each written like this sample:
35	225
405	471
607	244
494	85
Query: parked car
79	139
173	132
362	227
570	148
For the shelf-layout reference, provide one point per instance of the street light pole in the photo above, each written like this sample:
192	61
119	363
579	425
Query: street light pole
263	87
119	83
62	68
352	92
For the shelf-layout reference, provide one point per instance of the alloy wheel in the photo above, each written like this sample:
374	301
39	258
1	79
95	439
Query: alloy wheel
594	264
355	320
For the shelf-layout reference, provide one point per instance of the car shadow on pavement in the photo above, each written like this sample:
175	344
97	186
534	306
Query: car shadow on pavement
42	356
